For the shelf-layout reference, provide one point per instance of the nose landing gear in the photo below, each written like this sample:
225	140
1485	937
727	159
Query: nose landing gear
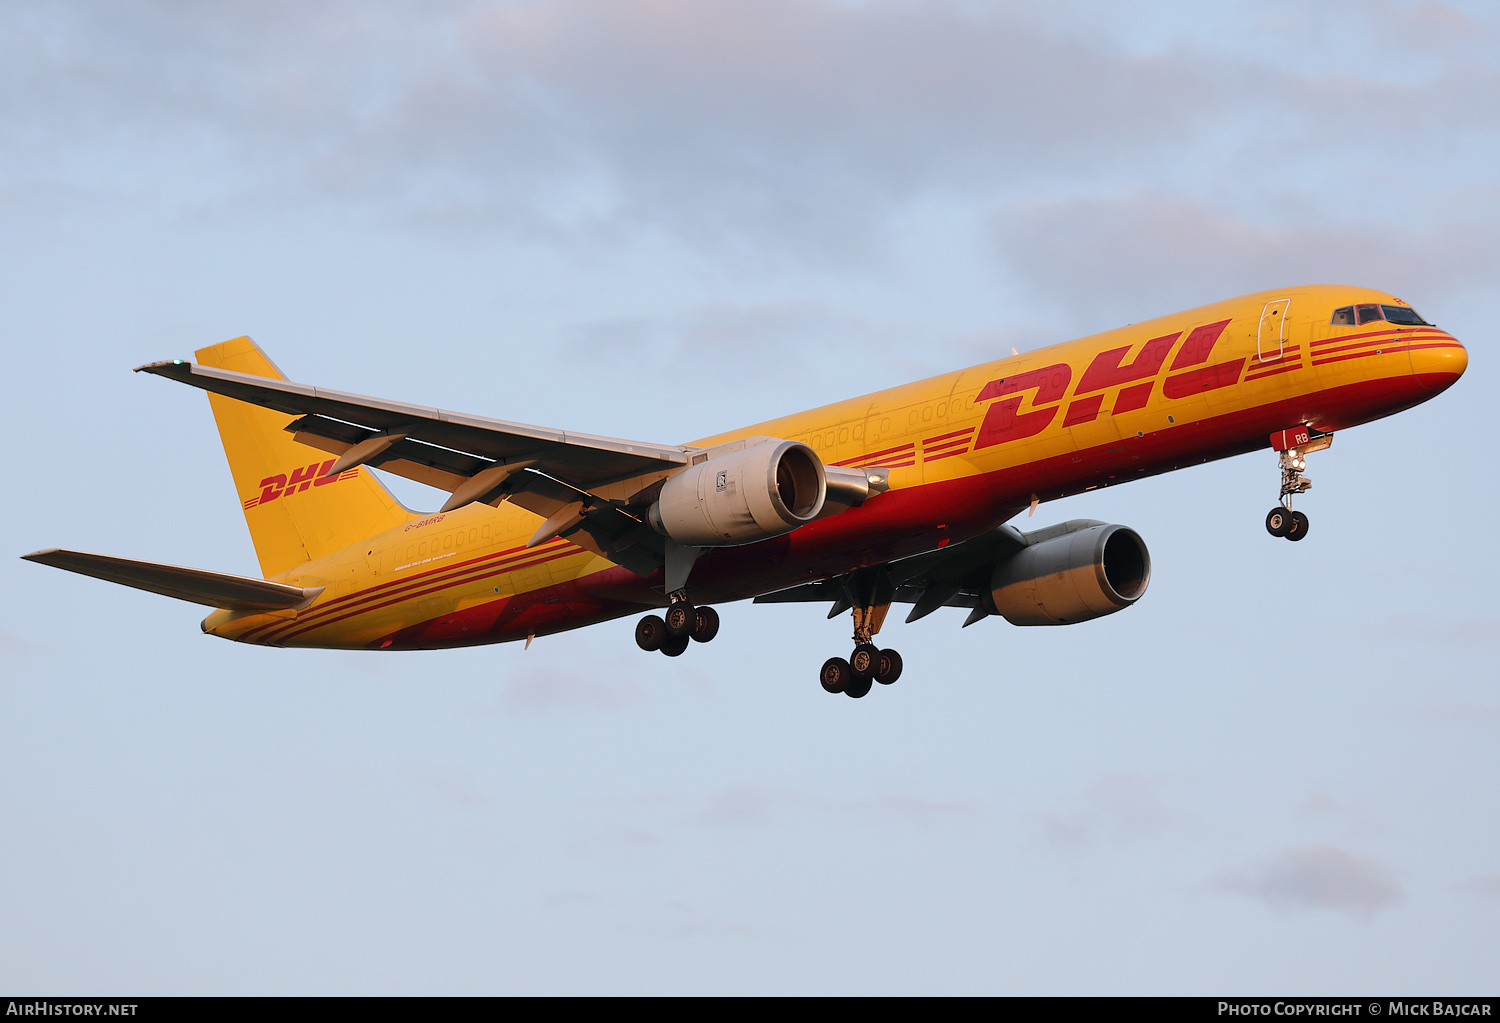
1294	445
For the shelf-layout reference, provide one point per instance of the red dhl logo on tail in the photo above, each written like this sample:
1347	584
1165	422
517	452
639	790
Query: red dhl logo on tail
282	485
1189	375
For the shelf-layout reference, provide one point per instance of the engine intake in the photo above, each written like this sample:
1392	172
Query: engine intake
742	496
1095	569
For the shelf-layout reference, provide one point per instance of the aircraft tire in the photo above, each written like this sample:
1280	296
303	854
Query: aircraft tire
858	688
673	646
865	660
835	675
680	618
705	624
889	669
1298	528
650	631
1278	521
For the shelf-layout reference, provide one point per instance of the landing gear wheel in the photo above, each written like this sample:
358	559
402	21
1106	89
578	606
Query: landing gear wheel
857	688
650	631
865	660
1278	521
680	618
705	624
835	675
674	645
1298	528
888	667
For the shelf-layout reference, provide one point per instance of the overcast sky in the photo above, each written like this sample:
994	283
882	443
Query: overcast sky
1276	773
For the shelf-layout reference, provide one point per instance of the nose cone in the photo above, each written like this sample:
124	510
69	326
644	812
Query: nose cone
1437	363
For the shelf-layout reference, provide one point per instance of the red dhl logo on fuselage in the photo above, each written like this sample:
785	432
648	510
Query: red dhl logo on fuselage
284	485
1190	374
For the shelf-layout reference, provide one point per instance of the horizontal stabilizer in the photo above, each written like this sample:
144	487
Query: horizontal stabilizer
231	592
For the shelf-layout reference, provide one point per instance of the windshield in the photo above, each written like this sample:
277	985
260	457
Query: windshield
1403	314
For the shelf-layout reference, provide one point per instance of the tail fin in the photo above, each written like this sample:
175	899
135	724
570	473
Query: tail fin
294	514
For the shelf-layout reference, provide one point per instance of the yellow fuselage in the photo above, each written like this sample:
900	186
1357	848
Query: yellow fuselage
965	451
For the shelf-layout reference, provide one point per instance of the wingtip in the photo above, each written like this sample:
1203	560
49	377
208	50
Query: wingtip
162	366
39	555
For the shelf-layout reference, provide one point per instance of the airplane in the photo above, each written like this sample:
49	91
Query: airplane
901	496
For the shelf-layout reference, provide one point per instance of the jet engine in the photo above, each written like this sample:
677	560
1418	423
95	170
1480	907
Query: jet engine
742	496
1087	573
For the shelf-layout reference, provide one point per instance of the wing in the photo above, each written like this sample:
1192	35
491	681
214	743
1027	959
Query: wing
593	490
215	589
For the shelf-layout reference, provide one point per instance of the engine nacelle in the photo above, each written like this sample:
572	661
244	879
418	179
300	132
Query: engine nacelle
1091	571
742	496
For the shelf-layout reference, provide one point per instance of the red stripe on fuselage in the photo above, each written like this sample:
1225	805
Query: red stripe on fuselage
494	563
298	628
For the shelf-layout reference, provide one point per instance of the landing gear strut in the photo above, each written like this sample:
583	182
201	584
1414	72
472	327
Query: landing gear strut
1282	521
868	595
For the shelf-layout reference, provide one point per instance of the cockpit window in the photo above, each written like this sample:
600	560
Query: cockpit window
1369	313
1403	314
1343	317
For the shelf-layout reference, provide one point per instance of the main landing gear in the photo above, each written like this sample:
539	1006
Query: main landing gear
1281	520
870	599
671	632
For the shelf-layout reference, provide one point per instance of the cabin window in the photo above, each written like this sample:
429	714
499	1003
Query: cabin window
1404	315
1343	317
1368	313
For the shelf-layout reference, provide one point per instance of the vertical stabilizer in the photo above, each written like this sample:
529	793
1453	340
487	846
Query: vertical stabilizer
294	514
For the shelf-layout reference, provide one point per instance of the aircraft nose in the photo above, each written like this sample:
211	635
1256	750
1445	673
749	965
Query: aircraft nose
1438	362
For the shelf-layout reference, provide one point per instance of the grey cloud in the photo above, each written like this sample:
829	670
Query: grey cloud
916	808
1459	632
752	804
803	124
450	788
13	646
1488	884
572	900
1121	807
1109	259
767	342
547	689
743	804
1320	808
1316	877
704	116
